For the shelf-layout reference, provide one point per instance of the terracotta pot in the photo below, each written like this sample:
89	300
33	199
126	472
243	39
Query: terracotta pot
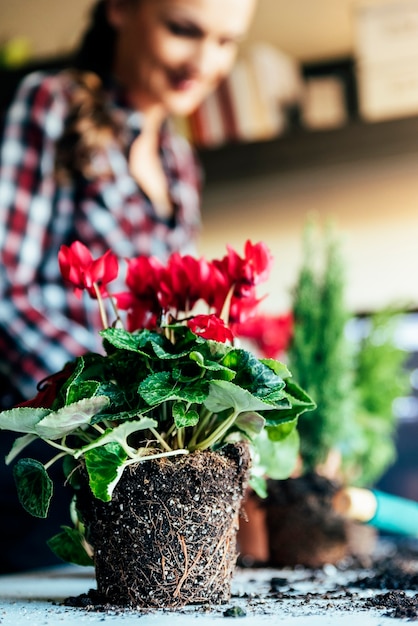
253	542
168	536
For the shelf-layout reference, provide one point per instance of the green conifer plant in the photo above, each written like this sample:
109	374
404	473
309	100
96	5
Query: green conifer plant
320	353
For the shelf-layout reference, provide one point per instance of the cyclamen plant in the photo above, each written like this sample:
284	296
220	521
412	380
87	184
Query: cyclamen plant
171	380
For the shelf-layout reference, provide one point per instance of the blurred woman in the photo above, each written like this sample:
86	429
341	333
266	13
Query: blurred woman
89	154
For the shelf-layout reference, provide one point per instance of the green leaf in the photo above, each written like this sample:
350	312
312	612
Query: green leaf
250	423
223	372
105	466
69	546
253	374
34	487
89	367
169	351
275	460
298	402
184	418
276	396
161	387
196	392
259	485
69	418
144	342
280	416
82	390
121	416
298	396
279	432
235	611
225	395
22	419
72	472
19	444
157	388
279	368
118	435
124	340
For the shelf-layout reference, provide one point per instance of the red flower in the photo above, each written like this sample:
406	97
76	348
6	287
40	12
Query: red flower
210	327
186	281
142	302
241	275
80	269
259	261
217	288
243	308
249	271
272	334
144	277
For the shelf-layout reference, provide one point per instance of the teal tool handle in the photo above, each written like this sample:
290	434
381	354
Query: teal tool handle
395	514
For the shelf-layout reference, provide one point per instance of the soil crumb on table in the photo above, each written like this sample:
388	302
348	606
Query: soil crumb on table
401	604
388	586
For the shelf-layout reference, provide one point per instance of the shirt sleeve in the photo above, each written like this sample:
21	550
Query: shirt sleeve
34	344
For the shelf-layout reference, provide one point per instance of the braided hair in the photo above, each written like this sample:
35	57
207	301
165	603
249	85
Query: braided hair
89	126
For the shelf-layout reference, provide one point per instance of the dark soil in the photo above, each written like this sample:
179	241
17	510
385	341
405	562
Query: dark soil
389	575
304	529
168	536
397	575
176	572
393	577
398	602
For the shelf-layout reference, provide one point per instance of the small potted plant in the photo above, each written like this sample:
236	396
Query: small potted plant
300	525
348	438
156	433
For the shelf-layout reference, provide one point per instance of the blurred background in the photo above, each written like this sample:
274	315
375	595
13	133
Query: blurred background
319	117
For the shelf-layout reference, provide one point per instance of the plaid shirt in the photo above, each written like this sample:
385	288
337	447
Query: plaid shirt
42	323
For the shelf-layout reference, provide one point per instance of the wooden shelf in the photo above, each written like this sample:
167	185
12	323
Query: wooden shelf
296	150
302	149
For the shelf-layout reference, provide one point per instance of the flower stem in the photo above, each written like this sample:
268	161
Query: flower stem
103	316
118	322
217	434
180	437
203	422
162	442
159	455
64	449
226	307
55	458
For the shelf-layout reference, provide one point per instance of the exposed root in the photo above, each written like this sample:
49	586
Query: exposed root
167	538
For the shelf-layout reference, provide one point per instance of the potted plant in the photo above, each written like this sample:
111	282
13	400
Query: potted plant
156	433
380	376
347	439
300	525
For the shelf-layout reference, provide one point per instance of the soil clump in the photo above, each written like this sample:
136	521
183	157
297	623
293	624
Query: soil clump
303	527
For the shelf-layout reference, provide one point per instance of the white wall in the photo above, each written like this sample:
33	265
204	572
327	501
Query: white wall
309	29
375	206
375	210
51	26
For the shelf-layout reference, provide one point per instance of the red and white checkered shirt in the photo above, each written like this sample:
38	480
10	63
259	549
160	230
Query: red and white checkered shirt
42	323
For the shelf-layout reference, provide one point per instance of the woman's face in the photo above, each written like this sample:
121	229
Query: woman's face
172	53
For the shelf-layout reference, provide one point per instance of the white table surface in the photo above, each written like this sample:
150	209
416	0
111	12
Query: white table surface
35	599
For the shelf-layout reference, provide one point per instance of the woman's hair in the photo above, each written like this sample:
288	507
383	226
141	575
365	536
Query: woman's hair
96	51
89	126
